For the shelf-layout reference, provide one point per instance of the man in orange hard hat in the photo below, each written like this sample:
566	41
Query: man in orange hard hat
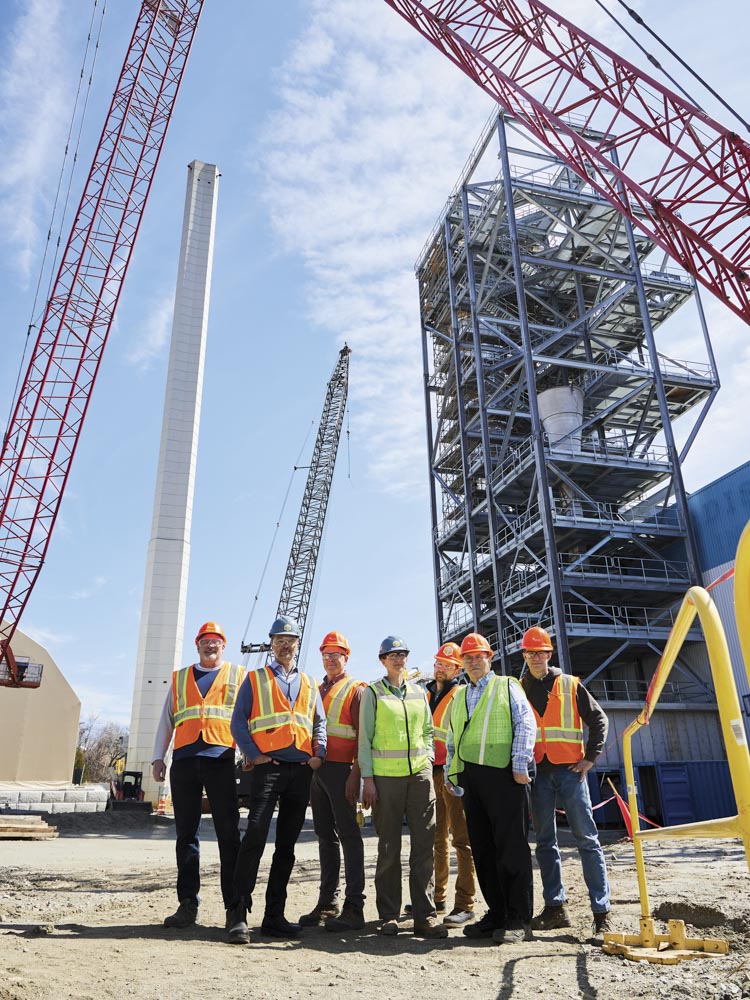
562	705
333	796
450	818
198	711
490	747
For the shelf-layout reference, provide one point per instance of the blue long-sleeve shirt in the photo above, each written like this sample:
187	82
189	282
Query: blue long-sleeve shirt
289	684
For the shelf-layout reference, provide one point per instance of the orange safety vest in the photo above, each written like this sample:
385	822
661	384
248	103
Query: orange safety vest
274	723
559	734
208	717
441	720
342	736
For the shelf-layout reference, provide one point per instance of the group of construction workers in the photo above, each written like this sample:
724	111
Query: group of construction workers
464	760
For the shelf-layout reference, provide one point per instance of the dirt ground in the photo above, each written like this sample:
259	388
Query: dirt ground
81	917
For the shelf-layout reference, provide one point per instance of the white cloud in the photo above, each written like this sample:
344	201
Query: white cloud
151	342
46	636
91	591
371	132
35	101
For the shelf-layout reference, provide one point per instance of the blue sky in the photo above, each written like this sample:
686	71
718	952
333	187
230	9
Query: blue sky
339	133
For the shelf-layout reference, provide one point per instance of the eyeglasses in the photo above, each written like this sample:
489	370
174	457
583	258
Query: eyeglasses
538	653
398	656
211	642
332	656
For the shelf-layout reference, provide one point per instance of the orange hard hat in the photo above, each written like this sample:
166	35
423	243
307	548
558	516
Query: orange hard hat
211	628
475	643
449	653
536	638
337	639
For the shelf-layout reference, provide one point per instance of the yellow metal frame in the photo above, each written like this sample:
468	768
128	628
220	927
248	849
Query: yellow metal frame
648	944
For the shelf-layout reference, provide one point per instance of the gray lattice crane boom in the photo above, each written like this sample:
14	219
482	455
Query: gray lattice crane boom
298	583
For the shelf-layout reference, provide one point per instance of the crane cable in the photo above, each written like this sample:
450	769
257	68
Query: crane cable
655	62
63	164
254	605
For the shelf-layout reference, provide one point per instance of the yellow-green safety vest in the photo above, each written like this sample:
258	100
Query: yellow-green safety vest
487	737
398	743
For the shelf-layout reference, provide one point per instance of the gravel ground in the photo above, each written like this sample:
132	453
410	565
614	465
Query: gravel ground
81	917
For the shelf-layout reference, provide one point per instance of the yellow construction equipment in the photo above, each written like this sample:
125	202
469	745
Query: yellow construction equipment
676	946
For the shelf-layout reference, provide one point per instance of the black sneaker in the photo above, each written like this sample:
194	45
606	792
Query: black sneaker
551	918
484	928
185	914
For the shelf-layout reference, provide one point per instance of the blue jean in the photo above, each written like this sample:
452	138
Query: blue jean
564	789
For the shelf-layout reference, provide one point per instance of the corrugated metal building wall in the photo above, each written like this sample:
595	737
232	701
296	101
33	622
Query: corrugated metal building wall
719	512
682	773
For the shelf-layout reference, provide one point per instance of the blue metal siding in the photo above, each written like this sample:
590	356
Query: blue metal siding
719	512
711	787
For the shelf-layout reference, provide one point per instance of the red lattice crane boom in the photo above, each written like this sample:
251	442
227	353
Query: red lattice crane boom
46	422
665	164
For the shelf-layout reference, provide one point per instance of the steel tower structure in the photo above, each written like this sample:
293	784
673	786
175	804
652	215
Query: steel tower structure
299	578
557	496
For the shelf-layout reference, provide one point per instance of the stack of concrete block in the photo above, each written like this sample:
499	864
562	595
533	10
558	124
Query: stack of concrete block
25	797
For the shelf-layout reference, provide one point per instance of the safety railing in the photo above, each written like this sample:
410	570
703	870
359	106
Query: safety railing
621	689
697	602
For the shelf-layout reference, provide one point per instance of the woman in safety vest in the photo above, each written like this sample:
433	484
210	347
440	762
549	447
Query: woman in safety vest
395	758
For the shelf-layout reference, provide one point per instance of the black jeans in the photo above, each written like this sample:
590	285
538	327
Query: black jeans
289	785
336	827
187	779
497	818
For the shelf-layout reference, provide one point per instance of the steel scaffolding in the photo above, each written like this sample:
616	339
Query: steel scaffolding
556	489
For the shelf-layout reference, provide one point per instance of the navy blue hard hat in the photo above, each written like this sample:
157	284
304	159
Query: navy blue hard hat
393	644
284	625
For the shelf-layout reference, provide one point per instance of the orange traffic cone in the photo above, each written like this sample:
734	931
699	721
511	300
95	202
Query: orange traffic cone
161	808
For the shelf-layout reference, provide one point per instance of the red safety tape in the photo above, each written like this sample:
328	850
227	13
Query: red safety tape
724	576
597	806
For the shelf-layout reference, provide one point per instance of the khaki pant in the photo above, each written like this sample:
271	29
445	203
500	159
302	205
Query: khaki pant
411	796
450	819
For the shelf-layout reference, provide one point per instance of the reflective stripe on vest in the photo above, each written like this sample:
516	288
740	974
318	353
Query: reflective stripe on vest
559	733
342	736
209	717
398	746
273	723
441	718
487	737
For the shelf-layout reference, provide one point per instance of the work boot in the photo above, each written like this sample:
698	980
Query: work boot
319	914
430	928
388	928
551	918
352	918
519	932
279	927
602	925
185	914
236	924
484	928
